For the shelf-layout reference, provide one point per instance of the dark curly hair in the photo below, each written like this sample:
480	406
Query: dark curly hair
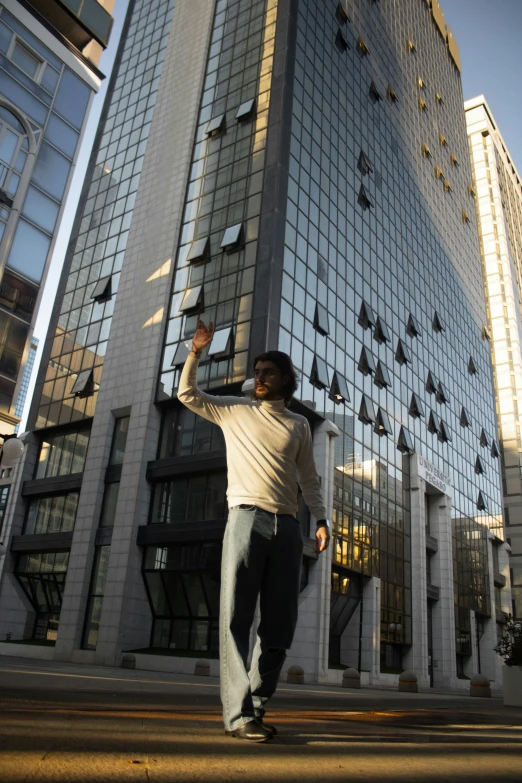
284	364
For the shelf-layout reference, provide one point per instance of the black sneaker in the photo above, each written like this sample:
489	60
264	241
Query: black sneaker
252	732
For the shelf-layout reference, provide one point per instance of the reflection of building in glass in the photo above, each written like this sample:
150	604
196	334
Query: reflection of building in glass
497	191
297	209
48	72
26	379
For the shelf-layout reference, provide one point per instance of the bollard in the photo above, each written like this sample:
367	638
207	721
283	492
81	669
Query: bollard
202	668
351	678
480	686
128	661
408	683
295	675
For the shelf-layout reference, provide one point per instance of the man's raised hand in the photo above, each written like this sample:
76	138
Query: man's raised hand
203	336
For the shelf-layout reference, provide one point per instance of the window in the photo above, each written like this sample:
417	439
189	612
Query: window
84	384
321	319
426	151
193	300
382	377
185	433
246	110
216	125
51	171
42	577
438	172
405	441
374	93
444	434
447	186
366	411
416	408
420	82
454	160
381	333
29	251
342	12
465	419
479	466
472	368
199	251
439	97
4	495
481	502
182	352
471	190
319	374
109	503
72	99
222	343
366	363
363	199
363	48
437	323
56	514
442	394
61	455
494	449
95	599
339	389
402	353
434	423
26	60
366	317
465	216
232	237
484	440
102	291
392	95
412	327
442	140
486	333
363	164
382	423
119	440
411	46
183	584
341	41
40	209
187	499
422	104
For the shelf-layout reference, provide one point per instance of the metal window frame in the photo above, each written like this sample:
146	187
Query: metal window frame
199	251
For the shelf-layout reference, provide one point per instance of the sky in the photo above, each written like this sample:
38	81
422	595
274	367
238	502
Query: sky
489	36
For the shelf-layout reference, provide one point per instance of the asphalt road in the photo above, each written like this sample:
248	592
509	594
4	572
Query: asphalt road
70	723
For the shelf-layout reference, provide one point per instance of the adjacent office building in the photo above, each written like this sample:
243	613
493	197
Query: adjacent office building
498	193
297	172
26	379
49	53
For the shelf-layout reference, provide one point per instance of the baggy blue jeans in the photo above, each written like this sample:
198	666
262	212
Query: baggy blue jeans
262	554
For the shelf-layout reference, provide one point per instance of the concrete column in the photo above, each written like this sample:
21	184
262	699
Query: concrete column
471	666
310	646
371	628
443	613
415	658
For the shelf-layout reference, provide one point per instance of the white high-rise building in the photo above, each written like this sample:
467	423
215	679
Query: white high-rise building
498	194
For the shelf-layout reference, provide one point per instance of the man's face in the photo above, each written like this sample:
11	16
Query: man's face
269	381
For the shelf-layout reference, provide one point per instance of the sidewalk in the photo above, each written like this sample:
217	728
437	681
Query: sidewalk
64	722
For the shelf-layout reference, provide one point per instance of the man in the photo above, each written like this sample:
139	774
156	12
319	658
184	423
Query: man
268	449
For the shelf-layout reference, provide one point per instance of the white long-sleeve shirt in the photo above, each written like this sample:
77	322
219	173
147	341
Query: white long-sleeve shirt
269	448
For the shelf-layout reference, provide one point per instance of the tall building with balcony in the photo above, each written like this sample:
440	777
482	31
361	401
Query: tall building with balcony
498	193
49	55
296	172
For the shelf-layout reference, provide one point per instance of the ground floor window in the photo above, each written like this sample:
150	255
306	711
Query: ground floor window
391	658
42	576
183	583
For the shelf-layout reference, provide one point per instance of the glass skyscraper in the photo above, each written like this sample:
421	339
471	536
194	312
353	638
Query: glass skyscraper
297	172
49	53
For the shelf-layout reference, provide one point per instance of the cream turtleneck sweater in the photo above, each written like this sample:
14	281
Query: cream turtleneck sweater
269	448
